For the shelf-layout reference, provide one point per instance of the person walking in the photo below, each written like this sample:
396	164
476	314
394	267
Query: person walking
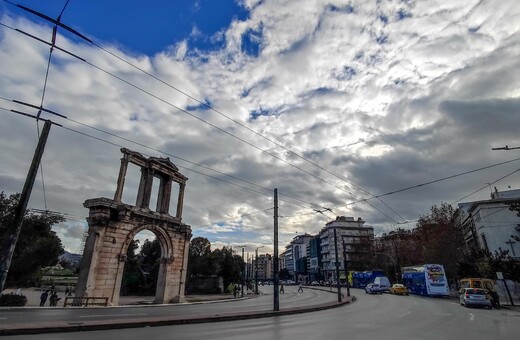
300	288
43	298
282	291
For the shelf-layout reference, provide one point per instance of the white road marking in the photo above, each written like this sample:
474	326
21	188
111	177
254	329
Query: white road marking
405	314
102	315
471	317
3	318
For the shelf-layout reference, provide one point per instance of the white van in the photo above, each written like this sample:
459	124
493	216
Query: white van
383	282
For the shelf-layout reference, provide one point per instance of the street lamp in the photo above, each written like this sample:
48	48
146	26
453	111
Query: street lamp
256	269
243	271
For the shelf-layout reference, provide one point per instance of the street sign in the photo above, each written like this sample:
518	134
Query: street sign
500	276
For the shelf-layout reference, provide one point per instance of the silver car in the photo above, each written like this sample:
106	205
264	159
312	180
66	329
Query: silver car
474	297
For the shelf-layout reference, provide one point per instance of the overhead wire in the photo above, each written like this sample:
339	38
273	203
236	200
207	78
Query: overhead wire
209	107
234	136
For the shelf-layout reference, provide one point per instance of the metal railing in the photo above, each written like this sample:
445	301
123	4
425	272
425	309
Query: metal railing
85	301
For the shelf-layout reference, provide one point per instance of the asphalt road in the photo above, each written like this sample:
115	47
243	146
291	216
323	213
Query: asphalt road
370	317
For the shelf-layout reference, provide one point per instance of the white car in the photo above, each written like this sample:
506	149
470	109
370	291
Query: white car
474	297
373	288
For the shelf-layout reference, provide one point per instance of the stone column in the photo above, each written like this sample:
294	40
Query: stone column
165	192
145	188
121	179
180	200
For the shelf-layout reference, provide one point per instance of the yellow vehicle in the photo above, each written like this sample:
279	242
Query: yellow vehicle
486	284
398	288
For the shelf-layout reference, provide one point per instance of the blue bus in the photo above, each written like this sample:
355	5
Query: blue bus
361	279
426	280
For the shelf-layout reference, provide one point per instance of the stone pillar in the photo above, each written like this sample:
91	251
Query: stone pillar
145	188
121	179
180	200
165	192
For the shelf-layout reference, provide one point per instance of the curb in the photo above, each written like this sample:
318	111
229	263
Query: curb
164	321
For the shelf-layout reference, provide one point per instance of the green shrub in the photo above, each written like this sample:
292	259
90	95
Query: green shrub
13	300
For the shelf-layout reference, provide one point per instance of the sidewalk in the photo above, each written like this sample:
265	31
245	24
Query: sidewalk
33	298
63	326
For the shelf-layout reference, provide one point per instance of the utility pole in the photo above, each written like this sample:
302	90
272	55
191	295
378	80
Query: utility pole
338	285
7	251
243	274
276	263
345	264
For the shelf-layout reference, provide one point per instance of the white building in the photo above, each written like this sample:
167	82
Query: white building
489	224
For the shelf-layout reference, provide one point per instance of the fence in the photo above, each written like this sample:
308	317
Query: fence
85	301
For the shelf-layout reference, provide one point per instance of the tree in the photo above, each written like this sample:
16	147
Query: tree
131	282
200	246
515	206
441	238
37	247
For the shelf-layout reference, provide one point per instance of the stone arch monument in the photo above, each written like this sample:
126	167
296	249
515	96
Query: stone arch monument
113	225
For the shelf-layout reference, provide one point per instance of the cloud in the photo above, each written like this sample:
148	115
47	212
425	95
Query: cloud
374	105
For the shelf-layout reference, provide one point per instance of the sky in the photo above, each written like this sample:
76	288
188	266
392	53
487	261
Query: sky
330	102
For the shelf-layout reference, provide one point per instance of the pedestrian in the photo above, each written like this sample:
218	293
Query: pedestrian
300	288
281	288
54	298
67	290
235	291
43	298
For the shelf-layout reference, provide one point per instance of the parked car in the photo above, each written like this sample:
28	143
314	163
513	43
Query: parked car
315	283
474	297
398	288
373	288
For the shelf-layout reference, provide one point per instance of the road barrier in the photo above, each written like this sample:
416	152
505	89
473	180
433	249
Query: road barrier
85	301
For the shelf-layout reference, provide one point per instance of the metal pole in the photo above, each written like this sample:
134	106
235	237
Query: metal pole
256	271
7	251
276	263
508	293
243	273
345	264
337	266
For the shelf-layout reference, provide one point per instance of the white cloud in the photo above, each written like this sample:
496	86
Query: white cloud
383	94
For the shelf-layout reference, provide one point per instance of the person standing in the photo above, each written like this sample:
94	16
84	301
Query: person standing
54	298
43	298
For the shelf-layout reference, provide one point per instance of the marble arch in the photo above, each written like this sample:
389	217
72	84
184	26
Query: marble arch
113	225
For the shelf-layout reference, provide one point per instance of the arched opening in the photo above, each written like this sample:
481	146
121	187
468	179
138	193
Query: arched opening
141	270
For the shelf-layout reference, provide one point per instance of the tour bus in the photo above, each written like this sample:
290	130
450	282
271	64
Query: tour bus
361	279
426	279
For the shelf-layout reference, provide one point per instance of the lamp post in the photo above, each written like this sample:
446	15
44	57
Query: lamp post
256	269
243	272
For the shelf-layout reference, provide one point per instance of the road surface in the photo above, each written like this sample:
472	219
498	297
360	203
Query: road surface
370	317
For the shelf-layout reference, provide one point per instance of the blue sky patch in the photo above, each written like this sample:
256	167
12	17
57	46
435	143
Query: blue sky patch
260	112
252	43
199	106
474	29
345	9
346	73
382	39
403	14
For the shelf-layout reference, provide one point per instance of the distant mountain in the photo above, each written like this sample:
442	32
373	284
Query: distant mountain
74	259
